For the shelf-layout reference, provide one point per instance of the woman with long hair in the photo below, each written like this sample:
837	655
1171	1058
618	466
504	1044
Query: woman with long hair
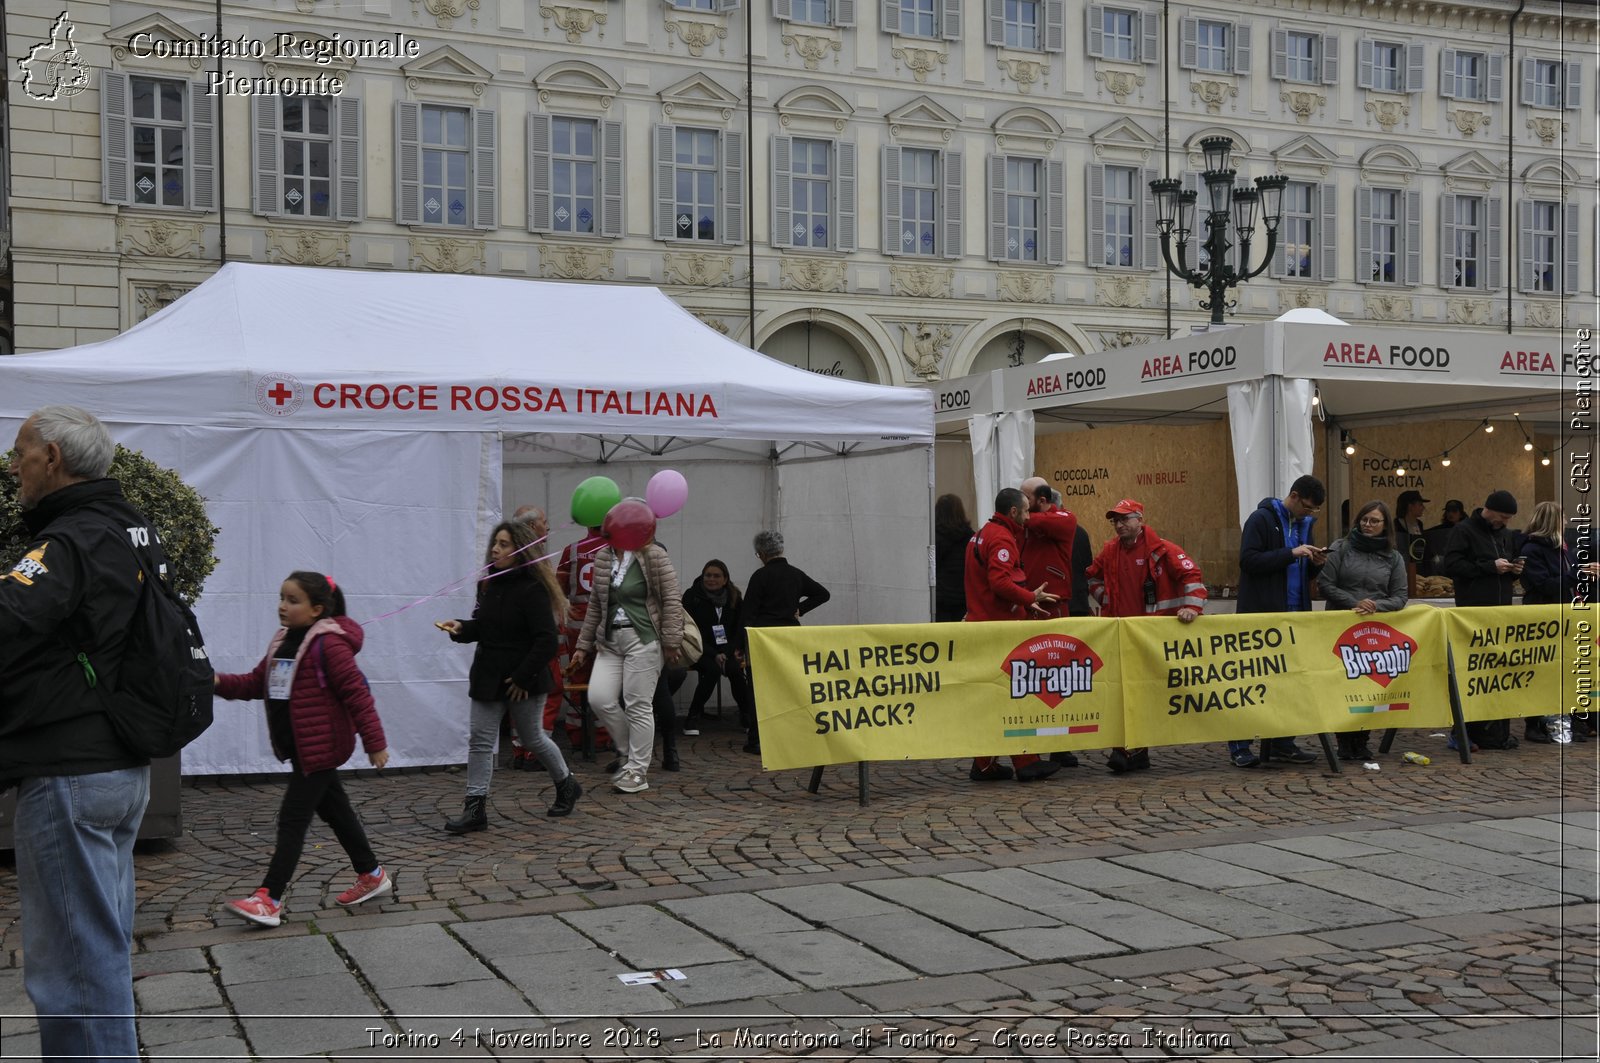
713	602
1548	575
1365	574
951	534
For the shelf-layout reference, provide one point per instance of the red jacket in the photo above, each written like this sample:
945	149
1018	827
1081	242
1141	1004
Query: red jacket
1047	554
996	585
1117	577
575	571
329	700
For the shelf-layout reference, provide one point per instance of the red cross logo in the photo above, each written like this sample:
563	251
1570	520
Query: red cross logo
279	394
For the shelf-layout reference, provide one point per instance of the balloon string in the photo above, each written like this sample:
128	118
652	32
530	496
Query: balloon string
476	574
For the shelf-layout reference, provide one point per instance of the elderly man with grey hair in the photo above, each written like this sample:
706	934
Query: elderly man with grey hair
81	793
778	595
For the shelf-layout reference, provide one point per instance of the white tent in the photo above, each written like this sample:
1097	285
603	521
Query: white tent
361	424
1265	376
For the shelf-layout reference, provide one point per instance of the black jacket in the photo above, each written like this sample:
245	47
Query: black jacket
74	591
1549	575
1469	562
950	569
514	626
703	611
777	591
1264	560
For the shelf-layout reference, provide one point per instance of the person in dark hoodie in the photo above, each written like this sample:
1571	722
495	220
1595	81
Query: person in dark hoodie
952	531
1482	563
1278	563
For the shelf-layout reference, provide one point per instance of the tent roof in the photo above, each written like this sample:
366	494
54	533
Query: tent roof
265	345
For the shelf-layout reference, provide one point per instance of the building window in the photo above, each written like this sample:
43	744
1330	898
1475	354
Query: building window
699	185
918	18
1027	210
1304	57
695	5
1298	232
1551	83
1549	247
1385	228
1389	66
157	142
1118	29
1022	24
811	12
1465	248
1023	198
1389	236
445	166
1121	33
922	200
1470	76
1119	210
1214	47
919	202
813	194
1300	58
306	157
574	175
814	12
1211	44
1387	73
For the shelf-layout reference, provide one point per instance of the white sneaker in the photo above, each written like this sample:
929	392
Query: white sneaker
630	782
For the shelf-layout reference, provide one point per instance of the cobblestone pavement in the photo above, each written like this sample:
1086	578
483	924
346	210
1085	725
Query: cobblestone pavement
1194	911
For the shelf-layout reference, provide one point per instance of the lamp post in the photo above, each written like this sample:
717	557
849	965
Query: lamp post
1175	206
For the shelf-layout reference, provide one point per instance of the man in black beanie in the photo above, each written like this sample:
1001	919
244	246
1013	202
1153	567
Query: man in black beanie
1479	558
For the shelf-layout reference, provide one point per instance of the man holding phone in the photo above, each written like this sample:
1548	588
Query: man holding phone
1278	563
1479	559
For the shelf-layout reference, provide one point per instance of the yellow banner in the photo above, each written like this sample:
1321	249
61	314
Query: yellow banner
1256	675
1521	660
833	695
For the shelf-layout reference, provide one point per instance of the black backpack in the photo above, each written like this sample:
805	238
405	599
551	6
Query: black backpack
162	698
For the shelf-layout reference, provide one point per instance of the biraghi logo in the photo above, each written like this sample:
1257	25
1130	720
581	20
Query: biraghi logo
1376	651
1051	668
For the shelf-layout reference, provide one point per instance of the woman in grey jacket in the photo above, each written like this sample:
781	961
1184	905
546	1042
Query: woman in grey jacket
1365	574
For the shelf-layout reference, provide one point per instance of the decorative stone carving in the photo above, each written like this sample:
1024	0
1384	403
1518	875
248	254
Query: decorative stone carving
1468	311
573	21
1469	122
697	270
1120	289
1120	83
1026	286
1388	113
1303	103
158	237
445	12
922	282
1024	72
1299	297
308	247
1121	338
1388	307
811	274
446	254
1543	313
1547	129
151	298
920	61
811	48
696	36
572	262
924	347
1213	93
710	320
306	7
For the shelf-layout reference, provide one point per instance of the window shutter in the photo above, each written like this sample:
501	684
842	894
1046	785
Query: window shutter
1525	210
1414	59
116	182
1144	221
485	145
1241	48
1574	86
994	21
1280	255
408	163
733	188
1364	64
1495	85
1413	237
1363	236
1055	25
844	220
612	184
952	20
349	129
1151	26
1569	240
1449	84
1055	213
997	208
1447	240
1280	55
889	15
1328	232
1097	214
1094	32
844	13
266	191
666	170
1330	59
782	191
1189	43
1493	205
202	148
729	6
539	207
951	201
783	10
1529	71
890	207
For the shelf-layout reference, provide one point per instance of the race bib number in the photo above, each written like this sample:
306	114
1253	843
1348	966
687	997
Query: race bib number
719	633
279	679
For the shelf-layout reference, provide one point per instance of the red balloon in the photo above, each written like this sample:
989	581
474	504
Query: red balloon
629	525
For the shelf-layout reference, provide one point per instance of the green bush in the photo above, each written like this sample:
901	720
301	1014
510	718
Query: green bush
176	511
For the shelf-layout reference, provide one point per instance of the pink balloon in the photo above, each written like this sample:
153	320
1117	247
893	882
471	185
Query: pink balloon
666	492
629	525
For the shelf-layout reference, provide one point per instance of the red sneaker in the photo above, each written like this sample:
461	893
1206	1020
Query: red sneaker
367	887
259	908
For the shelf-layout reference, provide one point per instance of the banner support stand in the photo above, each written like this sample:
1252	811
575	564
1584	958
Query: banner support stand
861	781
1327	751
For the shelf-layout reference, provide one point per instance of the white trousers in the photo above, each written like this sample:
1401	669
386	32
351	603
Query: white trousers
622	690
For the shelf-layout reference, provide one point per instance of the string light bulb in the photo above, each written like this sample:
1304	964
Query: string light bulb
1527	446
1545	460
1446	461
1349	443
1488	428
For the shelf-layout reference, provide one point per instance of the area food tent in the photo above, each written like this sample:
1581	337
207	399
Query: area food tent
1266	376
365	424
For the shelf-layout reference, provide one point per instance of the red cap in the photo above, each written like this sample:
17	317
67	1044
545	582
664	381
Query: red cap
1126	506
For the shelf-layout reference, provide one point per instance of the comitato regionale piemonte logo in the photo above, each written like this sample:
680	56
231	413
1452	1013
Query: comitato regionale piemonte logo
54	69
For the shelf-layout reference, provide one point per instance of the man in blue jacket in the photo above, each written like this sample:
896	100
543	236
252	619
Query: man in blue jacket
1277	566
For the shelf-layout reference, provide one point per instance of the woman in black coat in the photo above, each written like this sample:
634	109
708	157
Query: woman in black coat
951	534
1548	576
713	602
514	626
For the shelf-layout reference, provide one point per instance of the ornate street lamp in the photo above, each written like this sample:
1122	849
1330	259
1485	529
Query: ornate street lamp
1225	204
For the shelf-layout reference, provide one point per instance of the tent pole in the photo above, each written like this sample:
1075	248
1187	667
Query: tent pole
932	487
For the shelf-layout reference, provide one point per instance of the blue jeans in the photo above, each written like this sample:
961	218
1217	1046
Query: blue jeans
74	845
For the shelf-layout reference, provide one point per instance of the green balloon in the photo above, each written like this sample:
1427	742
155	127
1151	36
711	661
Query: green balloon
593	499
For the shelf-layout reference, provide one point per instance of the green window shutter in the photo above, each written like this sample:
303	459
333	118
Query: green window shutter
539	219
350	157
266	189
202	148
408	163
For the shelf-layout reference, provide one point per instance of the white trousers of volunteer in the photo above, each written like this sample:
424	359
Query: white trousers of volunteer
622	689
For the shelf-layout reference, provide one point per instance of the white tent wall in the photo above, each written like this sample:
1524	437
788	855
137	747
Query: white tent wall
1270	424
1002	454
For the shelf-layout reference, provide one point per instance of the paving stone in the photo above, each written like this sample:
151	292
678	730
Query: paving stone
1396	896
1038	977
1228	912
1143	964
1101	876
1269	859
283	1015
1135	926
1565	835
158	1030
209	1048
442	1010
1529	1037
526	936
648	938
829	901
717	983
1335	847
1054	943
740	919
267	958
1039	893
1312	908
1576	882
167	961
1483	889
1381	935
1196	869
923	944
1278	947
567	984
947	902
179	991
822	958
892	997
1484	836
423	955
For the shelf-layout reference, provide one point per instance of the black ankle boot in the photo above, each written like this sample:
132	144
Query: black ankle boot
474	816
567	793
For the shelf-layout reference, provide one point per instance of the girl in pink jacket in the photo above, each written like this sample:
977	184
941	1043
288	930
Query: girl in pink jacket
317	700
